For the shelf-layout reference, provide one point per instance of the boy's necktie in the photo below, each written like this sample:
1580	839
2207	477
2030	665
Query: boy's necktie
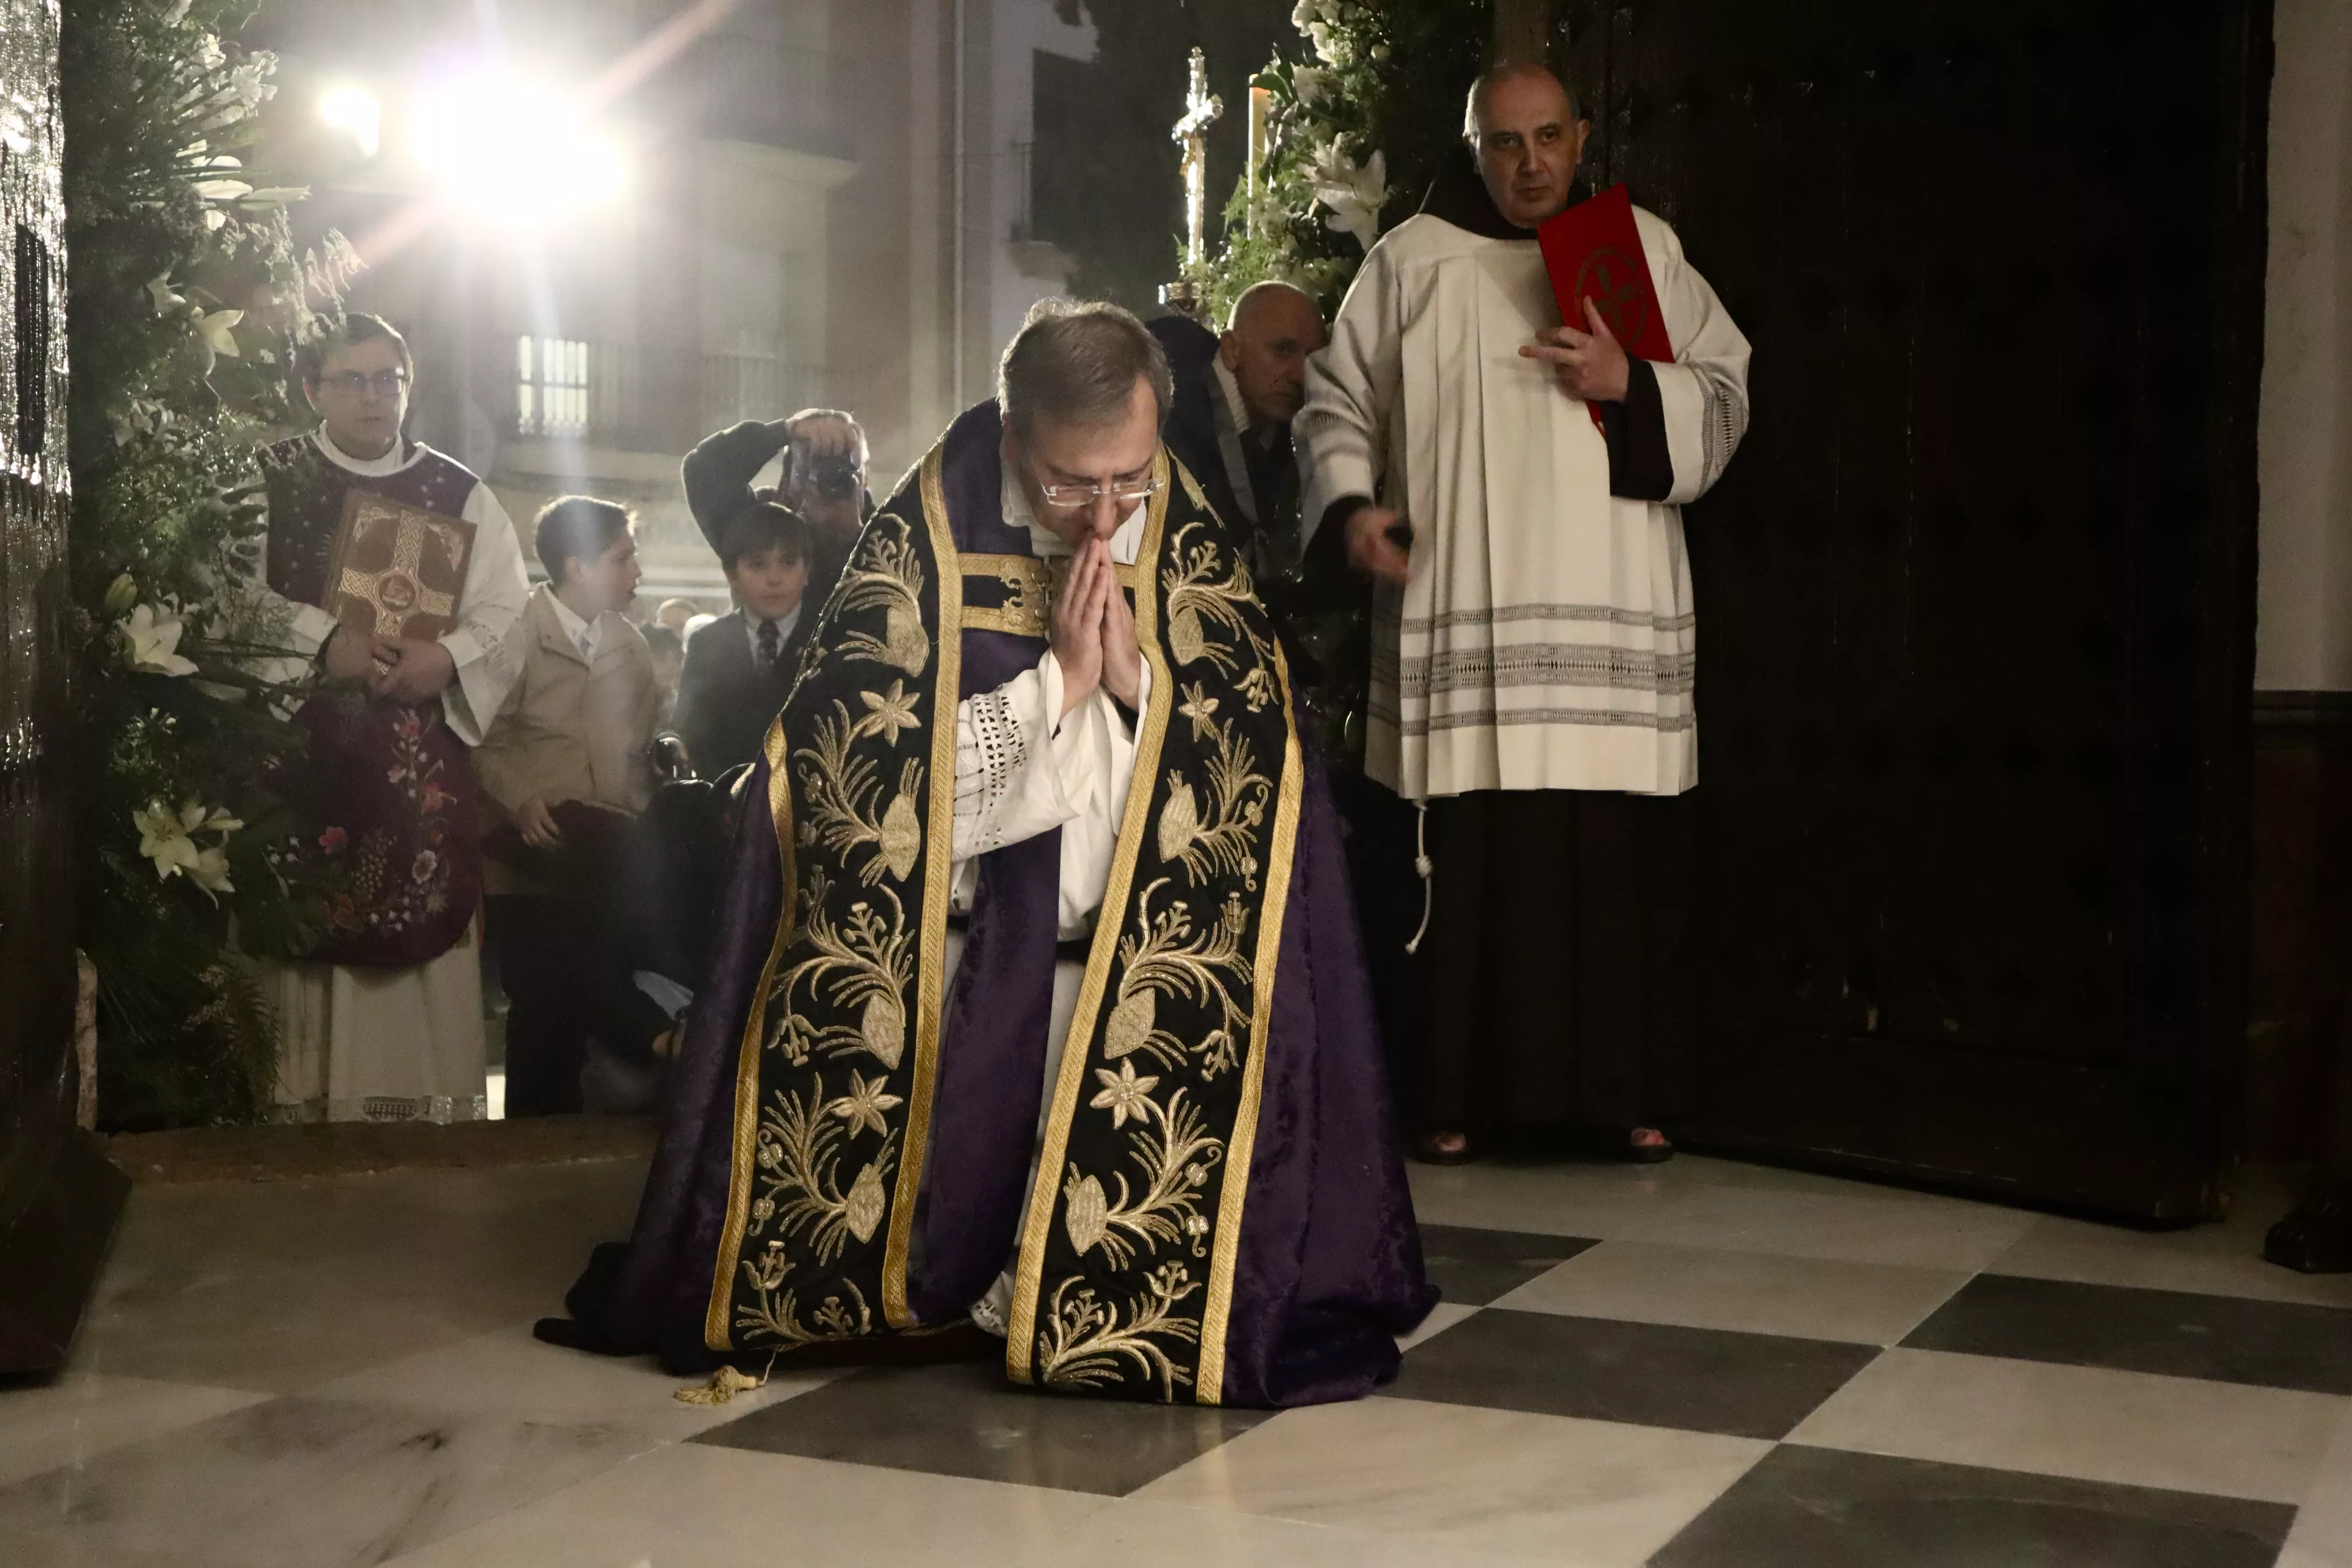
771	645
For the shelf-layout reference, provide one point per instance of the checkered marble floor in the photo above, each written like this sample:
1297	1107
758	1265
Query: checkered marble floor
1698	1365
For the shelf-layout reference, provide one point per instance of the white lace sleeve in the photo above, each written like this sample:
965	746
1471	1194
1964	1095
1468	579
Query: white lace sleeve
1009	782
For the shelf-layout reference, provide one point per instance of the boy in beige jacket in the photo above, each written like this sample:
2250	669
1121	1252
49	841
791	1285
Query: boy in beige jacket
567	758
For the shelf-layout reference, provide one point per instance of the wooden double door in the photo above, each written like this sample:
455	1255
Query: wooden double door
1975	598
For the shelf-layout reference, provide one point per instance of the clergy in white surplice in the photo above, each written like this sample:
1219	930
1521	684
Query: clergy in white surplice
1534	641
381	1019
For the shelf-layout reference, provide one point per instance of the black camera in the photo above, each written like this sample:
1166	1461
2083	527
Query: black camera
836	478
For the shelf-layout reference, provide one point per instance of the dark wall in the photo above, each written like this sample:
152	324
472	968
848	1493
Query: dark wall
58	1197
1976	599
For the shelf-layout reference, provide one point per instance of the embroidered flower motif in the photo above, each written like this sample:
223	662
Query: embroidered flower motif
863	1105
883	1025
426	863
763	1211
1130	1025
1124	1094
1087	1212
151	641
893	710
1198	707
863	1208
1179	818
902	836
435	798
333	840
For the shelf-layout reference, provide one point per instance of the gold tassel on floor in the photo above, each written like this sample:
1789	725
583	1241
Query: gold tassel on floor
724	1384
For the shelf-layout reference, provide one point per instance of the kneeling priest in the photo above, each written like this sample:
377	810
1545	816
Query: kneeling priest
1038	1003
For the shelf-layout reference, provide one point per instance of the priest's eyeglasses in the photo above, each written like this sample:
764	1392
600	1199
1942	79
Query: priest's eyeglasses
353	382
1126	492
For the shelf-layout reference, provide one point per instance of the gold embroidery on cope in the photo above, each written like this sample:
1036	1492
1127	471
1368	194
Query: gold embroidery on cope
1104	1303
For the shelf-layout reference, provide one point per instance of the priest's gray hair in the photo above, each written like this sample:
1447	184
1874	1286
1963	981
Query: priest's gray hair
1510	71
1075	364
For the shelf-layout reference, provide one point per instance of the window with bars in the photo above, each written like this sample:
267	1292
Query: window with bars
551	386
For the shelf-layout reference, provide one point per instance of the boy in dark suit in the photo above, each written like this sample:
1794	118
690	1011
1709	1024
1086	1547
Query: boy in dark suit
739	669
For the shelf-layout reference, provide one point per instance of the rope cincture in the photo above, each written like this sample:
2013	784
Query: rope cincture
1424	865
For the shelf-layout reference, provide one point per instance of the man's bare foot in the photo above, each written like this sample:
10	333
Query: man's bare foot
1647	1146
1447	1148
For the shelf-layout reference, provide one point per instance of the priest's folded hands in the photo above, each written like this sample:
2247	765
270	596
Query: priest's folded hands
1094	631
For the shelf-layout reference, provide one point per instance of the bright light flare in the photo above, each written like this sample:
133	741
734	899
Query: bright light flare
355	112
514	149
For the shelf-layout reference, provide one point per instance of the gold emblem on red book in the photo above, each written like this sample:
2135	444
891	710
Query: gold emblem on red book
1610	279
398	570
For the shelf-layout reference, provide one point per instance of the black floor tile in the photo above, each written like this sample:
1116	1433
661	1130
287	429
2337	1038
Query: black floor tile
1474	1267
1822	1507
966	1420
1652	1375
2228	1339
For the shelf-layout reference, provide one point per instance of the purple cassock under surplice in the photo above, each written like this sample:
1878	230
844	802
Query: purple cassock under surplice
1329	1266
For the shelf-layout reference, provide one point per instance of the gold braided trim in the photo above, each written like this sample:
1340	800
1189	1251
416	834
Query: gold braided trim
939	885
1209	1381
1032	584
716	1332
1070	1087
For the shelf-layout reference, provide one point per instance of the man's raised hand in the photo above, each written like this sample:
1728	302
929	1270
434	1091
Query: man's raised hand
1078	625
1371	549
1590	364
1122	655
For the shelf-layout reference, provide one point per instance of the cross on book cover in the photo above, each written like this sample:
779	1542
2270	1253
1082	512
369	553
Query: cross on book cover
398	570
1593	251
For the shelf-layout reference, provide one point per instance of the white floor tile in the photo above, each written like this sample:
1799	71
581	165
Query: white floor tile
2322	1536
79	1416
307	1483
693	1506
1441	1317
2091	1423
1135	1533
507	1373
1454	1478
2224	1258
1754	1293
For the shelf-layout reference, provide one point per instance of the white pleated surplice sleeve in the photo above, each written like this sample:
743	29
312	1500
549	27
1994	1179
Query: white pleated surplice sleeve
1341	432
1704	393
486	645
1020	773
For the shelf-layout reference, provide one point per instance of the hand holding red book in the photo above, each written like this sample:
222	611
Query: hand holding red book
1593	252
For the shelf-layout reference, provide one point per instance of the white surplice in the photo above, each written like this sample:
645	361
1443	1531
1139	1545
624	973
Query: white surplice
1021	771
367	1043
1544	637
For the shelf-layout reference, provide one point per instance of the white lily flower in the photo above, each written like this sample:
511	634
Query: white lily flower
151	642
164	838
210	872
1355	192
215	328
1312	86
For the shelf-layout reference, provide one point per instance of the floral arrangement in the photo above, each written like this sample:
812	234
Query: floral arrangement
184	296
1354	141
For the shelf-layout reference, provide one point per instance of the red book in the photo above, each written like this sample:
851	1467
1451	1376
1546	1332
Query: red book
1593	251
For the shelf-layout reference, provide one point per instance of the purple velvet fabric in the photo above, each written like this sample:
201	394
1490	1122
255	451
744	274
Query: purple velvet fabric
1331	1266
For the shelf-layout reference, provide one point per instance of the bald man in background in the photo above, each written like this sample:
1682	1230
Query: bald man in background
1230	425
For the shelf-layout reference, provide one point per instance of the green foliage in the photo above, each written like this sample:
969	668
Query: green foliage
1366	107
184	299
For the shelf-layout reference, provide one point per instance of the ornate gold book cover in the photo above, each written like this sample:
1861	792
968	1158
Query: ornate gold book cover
398	570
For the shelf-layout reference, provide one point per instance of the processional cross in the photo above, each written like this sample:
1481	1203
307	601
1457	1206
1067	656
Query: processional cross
1202	110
